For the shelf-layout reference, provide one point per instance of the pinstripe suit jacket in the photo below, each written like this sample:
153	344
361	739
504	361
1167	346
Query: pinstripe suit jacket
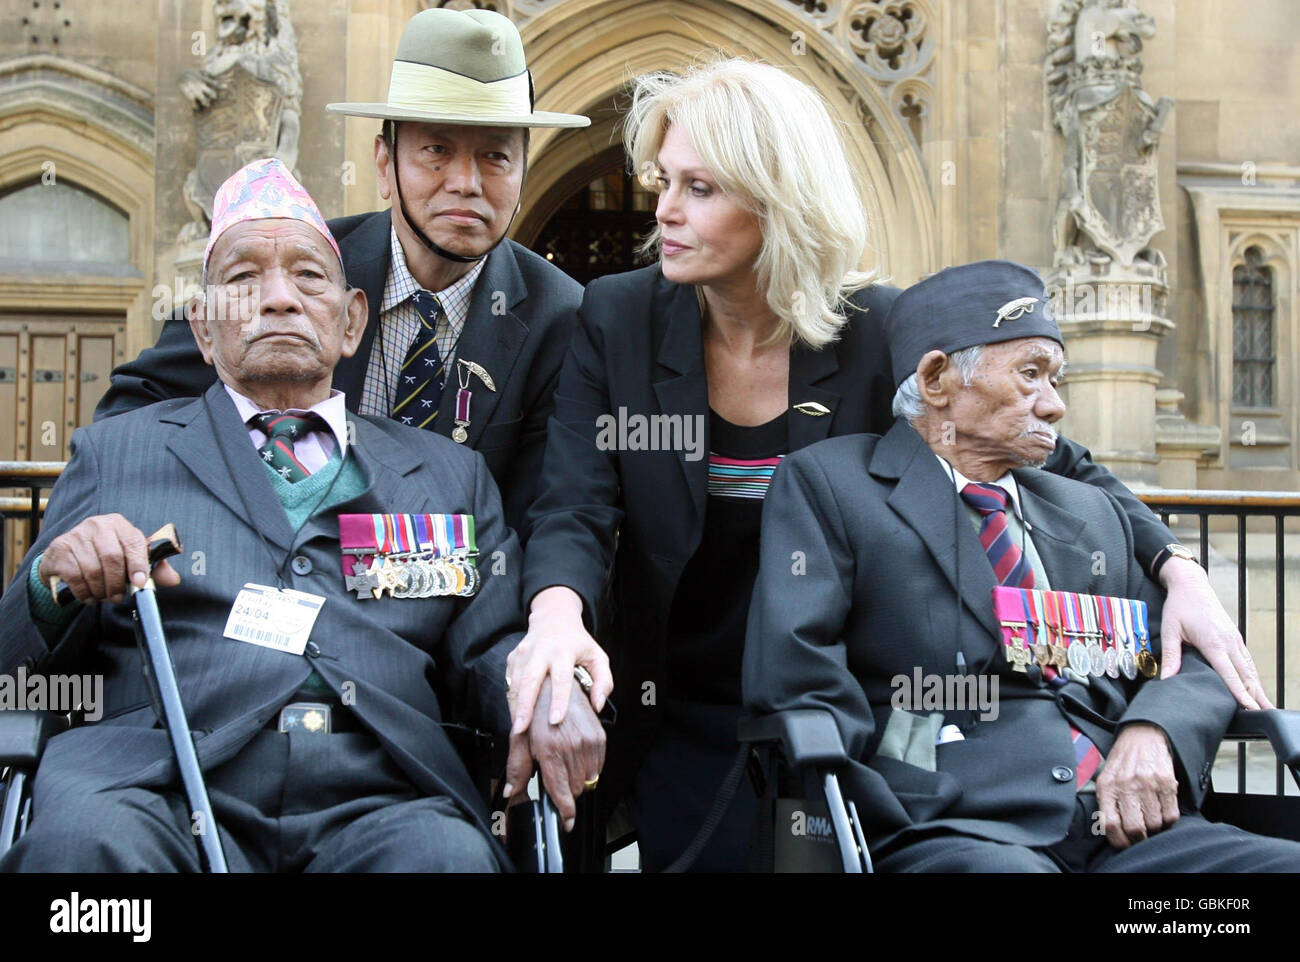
189	461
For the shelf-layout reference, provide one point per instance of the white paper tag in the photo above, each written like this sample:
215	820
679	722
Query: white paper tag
273	617
949	733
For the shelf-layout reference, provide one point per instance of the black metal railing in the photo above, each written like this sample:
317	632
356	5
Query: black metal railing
1178	507
1209	508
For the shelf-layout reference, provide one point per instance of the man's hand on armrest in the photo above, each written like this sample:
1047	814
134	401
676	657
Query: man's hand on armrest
571	754
1193	615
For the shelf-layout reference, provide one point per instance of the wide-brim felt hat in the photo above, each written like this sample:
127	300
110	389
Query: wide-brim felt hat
461	67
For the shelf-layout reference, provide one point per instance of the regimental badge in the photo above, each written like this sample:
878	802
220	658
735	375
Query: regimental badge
812	408
1014	310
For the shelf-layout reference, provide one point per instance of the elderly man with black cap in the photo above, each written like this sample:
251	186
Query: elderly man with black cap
973	746
466	331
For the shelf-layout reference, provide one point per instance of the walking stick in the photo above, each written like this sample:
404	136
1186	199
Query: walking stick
164	543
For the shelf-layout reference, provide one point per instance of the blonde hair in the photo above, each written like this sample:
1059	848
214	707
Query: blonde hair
771	143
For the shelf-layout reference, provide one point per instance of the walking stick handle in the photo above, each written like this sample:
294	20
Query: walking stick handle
163	543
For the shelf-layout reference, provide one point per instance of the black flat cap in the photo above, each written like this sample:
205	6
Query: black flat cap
986	302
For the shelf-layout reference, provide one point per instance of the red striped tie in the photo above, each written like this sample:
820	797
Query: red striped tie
1011	567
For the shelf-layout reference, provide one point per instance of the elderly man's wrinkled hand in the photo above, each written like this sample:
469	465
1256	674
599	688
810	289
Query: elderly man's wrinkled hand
571	754
1137	793
101	558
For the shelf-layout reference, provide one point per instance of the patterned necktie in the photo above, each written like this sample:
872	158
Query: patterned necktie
419	388
282	431
1011	567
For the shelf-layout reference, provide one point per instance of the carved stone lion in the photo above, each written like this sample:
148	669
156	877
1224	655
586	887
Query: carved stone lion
247	100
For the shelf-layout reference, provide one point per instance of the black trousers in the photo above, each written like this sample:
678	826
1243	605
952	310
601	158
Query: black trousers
286	803
1191	844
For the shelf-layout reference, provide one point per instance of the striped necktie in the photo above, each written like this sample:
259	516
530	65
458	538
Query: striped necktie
1011	567
419	389
282	431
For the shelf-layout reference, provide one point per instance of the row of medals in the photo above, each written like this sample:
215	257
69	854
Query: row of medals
404	576
1083	653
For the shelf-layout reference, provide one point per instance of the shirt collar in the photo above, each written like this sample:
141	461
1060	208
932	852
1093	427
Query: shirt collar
1006	483
333	410
400	285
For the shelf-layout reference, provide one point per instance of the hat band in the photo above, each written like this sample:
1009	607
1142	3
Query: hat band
421	87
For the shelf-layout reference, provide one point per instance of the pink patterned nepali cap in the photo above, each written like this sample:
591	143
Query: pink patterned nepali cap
262	190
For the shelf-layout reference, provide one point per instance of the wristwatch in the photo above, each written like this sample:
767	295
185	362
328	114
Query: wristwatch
1174	550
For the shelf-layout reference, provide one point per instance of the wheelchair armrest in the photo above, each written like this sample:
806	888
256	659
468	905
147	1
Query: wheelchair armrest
807	736
23	735
1281	728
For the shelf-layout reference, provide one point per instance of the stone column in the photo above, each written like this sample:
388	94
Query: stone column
1108	286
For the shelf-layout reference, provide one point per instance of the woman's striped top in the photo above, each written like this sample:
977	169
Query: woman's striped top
737	478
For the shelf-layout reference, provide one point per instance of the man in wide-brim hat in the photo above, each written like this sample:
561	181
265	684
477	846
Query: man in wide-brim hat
466	330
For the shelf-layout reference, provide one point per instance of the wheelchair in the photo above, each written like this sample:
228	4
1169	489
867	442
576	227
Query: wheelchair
534	836
805	749
533	827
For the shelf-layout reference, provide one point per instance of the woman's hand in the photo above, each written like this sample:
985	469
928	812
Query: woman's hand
1193	615
556	642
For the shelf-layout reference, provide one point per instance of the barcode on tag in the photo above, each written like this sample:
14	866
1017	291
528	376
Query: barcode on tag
260	636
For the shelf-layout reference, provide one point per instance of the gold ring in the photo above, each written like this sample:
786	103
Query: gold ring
590	783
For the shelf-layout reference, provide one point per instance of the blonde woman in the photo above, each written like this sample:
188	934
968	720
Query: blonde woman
753	335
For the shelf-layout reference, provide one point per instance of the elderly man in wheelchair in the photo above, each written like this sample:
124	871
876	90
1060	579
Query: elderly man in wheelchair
951	649
330	620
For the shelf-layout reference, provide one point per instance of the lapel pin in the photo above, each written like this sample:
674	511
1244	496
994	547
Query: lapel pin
464	369
477	370
812	408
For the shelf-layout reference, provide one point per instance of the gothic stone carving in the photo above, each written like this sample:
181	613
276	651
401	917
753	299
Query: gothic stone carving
246	100
1109	207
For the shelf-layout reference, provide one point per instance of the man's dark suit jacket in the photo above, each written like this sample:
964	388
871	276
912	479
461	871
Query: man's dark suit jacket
639	348
883	538
190	462
520	320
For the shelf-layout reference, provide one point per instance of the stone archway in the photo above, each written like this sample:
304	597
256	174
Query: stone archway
583	52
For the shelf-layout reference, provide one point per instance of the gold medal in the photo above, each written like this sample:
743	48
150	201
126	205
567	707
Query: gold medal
1146	663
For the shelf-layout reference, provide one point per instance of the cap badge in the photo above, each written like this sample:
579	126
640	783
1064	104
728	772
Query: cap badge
1013	310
